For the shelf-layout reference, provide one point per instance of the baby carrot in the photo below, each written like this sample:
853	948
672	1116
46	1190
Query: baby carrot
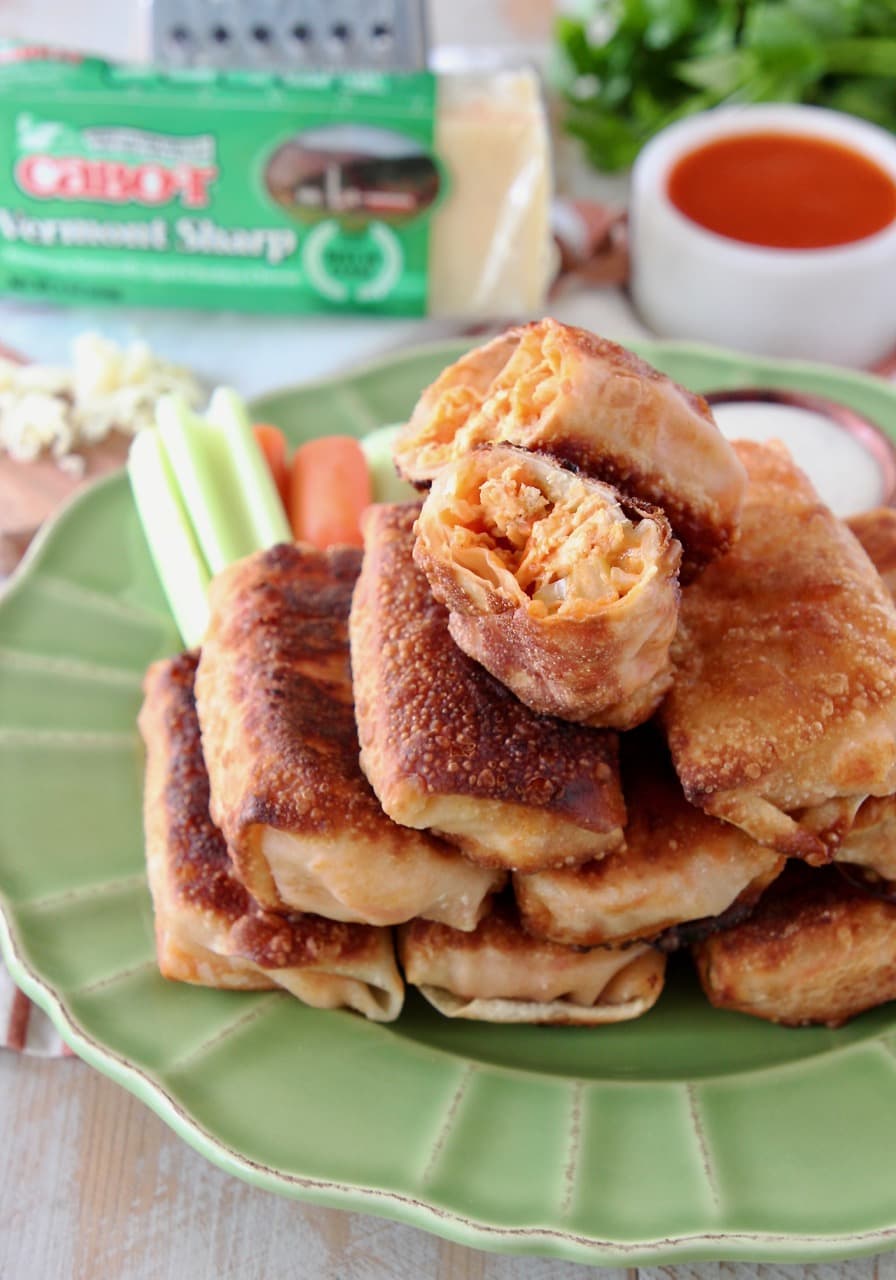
329	487
272	443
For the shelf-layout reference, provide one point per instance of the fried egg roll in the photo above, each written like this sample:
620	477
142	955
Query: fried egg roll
871	844
447	747
274	695
816	950
560	390
209	930
782	715
876	530
678	865
498	973
562	590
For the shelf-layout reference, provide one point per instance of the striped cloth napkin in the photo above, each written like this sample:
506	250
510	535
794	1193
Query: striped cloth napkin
24	1027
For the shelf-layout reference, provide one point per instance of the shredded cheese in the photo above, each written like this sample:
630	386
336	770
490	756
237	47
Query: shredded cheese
46	409
561	549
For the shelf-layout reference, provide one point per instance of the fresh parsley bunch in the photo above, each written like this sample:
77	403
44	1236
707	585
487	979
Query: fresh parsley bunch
630	67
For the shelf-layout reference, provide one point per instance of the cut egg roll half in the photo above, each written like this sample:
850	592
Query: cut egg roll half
557	389
565	592
498	973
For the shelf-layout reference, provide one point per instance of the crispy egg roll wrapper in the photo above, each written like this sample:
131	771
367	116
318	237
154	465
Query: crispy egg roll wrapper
274	695
678	865
557	389
876	530
209	930
816	950
871	843
782	715
565	594
498	973
448	747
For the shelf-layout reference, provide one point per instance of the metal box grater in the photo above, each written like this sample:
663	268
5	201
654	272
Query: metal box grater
289	35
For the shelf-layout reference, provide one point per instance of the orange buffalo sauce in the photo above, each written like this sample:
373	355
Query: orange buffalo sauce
783	190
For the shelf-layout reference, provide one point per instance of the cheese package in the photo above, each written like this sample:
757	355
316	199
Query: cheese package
405	194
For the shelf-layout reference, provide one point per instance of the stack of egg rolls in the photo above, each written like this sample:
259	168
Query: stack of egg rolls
612	687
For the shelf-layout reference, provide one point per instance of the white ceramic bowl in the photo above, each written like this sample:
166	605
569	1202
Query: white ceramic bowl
835	304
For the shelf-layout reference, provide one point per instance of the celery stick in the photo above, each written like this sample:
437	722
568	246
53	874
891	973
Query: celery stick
264	510
172	544
387	486
210	487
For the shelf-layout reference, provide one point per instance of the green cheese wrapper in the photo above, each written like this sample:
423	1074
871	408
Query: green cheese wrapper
361	192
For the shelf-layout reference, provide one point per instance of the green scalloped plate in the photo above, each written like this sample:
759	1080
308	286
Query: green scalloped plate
688	1134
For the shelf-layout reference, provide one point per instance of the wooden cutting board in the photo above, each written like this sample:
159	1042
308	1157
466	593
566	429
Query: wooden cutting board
32	491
